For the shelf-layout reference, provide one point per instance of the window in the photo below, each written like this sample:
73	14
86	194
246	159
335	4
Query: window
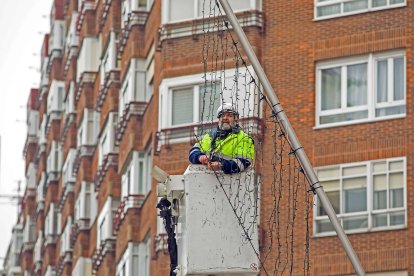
51	221
366	196
136	179
128	263
32	122
88	128
38	247
144	256
57	35
31	176
54	159
129	6
70	99
107	140
105	220
67	170
55	97
84	202
334	8
28	230
40	188
187	100
109	61
135	87
179	10
89	56
361	89
42	131
72	38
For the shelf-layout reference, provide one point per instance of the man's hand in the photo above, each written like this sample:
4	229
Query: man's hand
215	166
203	159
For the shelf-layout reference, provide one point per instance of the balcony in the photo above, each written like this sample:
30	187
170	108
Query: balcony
250	18
104	13
77	227
85	78
66	190
83	151
110	160
135	18
69	119
64	260
129	202
160	244
107	246
87	5
113	77
131	109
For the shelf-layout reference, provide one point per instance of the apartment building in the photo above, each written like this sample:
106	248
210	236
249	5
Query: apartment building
113	73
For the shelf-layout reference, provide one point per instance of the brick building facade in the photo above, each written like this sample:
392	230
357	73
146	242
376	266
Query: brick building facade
100	120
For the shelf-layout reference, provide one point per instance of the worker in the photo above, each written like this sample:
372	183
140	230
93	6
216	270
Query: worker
227	147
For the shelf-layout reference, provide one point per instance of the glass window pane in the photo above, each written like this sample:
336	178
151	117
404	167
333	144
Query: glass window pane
396	165
380	182
140	177
399	79
355	5
380	166
357	85
329	10
331	88
389	111
350	116
396	180
397	198
355	200
324	226
334	199
392	2
380	220
382	81
354	183
355	223
181	10
239	5
380	200
379	3
328	173
209	101
182	106
397	219
357	170
330	185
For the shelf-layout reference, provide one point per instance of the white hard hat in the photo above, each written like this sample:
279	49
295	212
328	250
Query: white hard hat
226	107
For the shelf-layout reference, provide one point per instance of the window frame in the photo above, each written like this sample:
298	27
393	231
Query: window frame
131	174
165	14
341	13
370	212
107	139
87	132
105	218
371	60
126	265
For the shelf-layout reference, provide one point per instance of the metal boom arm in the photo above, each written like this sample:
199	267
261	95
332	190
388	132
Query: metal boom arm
292	138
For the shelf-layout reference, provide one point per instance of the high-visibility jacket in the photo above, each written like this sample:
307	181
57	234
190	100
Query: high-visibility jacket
235	151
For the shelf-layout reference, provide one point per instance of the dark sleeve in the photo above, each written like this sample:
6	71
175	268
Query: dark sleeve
235	165
194	155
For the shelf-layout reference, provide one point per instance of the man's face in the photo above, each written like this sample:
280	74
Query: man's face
227	120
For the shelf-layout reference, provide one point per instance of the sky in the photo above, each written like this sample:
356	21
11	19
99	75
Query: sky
22	27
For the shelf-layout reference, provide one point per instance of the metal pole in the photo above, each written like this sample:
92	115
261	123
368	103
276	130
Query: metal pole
293	140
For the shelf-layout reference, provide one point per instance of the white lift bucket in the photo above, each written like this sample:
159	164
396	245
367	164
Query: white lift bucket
209	236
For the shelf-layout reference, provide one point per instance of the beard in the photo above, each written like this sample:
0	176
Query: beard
226	126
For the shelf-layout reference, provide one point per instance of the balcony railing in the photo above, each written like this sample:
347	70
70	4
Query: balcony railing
30	139
86	6
131	109
129	202
83	151
110	78
77	227
160	244
66	190
63	260
135	18
104	13
110	160
106	246
85	78
69	120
